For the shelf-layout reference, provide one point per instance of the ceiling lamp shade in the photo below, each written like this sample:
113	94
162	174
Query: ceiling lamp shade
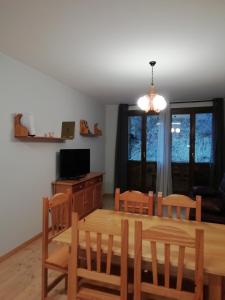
152	101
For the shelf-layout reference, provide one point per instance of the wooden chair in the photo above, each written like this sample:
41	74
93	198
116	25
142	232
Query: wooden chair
178	202
56	219
169	247
98	242
134	202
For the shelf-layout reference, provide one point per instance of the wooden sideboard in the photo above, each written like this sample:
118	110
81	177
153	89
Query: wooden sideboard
86	192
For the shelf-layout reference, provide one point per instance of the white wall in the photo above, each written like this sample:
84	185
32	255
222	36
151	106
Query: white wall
27	169
111	114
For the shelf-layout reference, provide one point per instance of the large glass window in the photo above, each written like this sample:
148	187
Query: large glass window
152	129
203	137
134	138
180	130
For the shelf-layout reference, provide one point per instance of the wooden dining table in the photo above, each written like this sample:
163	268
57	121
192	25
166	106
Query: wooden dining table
214	241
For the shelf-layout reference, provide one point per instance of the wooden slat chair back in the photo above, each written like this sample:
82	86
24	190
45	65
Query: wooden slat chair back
60	213
168	246
134	202
98	242
56	219
175	203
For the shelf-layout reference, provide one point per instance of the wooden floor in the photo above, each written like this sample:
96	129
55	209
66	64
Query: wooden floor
20	274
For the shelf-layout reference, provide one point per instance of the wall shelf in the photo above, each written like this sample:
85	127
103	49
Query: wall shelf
21	133
40	139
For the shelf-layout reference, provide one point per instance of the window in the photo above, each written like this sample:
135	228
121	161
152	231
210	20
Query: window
199	139
192	139
142	150
203	137
134	138
191	148
180	130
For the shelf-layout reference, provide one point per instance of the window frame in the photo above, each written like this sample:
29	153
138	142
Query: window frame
192	111
143	132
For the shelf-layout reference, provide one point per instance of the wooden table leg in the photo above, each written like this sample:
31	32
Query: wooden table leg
215	287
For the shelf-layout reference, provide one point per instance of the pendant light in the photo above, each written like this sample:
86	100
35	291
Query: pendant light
152	101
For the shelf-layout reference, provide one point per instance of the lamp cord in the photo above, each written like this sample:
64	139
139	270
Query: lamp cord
152	63
152	76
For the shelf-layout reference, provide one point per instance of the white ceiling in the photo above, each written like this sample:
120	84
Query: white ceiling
102	47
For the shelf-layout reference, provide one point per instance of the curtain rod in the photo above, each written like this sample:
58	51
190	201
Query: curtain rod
184	102
194	101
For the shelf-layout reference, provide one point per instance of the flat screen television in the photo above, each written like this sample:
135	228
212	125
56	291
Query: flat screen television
74	163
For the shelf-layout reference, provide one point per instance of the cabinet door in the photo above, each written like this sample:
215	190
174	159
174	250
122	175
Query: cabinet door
78	203
88	199
98	195
60	188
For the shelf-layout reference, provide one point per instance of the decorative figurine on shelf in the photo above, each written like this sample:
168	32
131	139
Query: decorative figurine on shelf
97	131
51	134
20	130
84	128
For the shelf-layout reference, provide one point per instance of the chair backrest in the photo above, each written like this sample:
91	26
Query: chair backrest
175	203
168	246
98	242
56	217
134	202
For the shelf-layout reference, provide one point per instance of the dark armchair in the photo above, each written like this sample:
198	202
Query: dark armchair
213	202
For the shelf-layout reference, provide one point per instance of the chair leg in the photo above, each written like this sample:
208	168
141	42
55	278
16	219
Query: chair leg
44	288
66	282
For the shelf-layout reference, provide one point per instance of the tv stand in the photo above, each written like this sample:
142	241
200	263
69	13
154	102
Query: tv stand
72	178
80	177
86	192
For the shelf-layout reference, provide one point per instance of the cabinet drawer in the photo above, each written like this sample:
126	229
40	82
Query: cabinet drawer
90	182
78	187
60	188
93	181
